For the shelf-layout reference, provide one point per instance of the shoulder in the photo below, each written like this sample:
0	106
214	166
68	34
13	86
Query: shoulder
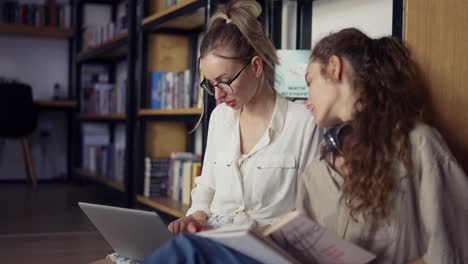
427	139
298	115
299	110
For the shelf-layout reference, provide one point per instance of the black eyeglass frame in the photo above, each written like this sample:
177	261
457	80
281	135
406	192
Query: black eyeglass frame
210	88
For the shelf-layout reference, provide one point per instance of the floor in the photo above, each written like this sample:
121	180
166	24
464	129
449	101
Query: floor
46	225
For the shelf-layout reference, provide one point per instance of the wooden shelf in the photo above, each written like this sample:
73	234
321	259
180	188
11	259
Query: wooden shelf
165	204
103	2
112	49
166	112
29	30
94	117
102	180
56	104
187	15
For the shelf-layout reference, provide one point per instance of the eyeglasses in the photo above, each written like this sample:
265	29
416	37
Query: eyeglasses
224	86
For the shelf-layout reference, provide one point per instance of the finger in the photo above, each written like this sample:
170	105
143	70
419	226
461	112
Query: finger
183	226
192	227
176	227
171	227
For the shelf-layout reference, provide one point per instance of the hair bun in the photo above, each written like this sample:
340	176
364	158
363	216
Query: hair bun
251	7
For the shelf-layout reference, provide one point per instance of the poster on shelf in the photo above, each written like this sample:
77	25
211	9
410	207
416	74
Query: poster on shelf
290	73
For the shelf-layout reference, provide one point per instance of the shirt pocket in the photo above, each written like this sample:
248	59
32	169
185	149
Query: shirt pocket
272	162
276	170
276	174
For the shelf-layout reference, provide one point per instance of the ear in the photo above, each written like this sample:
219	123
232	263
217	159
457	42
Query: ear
335	68
257	66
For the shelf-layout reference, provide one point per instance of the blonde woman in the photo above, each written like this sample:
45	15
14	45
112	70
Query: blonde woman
258	142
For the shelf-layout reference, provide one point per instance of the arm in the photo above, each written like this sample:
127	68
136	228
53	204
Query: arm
203	193
442	203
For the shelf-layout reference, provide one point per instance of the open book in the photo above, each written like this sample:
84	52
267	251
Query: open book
294	239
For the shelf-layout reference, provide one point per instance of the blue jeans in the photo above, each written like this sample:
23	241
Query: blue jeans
187	248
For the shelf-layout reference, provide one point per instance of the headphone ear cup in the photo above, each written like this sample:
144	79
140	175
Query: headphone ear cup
334	137
330	142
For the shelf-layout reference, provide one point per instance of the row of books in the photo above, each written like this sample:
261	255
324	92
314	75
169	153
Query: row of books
100	156
104	99
97	34
100	96
172	177
171	90
169	3
49	14
156	181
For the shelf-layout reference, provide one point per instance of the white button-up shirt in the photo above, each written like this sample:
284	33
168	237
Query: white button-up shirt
260	186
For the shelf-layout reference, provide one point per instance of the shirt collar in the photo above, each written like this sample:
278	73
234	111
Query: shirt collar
279	114
277	120
275	127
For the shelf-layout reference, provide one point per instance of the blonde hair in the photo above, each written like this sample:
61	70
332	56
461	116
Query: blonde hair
235	27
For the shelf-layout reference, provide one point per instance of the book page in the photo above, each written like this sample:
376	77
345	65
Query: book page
309	242
249	243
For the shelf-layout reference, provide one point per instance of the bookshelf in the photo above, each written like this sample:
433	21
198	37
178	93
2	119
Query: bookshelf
35	31
100	179
165	205
112	49
170	112
168	43
187	15
56	104
103	50
47	43
96	117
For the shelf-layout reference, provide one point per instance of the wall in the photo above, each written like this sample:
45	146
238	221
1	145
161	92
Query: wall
40	62
373	17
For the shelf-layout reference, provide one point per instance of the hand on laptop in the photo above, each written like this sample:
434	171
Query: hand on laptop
193	223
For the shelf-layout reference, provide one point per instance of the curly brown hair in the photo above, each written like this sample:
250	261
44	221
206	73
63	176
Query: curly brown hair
386	80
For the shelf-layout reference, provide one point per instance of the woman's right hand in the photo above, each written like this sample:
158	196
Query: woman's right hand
193	223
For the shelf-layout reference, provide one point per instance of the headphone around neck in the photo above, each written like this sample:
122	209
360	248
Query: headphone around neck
334	137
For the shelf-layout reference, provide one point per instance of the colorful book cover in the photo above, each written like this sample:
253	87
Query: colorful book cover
196	171
157	89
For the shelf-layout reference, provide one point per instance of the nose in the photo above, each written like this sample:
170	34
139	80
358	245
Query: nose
219	94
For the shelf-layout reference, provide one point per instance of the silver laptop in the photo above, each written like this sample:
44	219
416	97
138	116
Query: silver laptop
131	233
